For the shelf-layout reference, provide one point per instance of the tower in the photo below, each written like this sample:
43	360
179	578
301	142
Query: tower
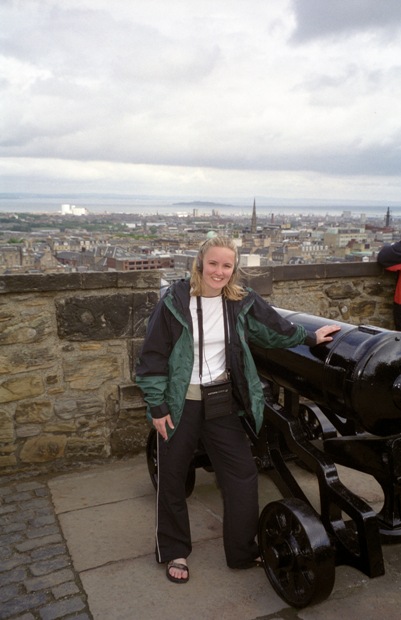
253	221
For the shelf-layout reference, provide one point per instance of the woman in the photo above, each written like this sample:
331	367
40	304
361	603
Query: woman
210	306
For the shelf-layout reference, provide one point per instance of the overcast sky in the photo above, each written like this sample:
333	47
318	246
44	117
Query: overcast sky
202	98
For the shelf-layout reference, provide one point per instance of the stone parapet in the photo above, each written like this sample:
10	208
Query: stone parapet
351	292
69	344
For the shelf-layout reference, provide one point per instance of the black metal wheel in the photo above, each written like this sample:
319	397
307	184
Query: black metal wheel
151	456
298	556
314	423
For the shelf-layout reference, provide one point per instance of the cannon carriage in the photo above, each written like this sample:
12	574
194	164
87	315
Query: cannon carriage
334	404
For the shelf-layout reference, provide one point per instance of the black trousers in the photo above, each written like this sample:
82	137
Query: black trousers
228	448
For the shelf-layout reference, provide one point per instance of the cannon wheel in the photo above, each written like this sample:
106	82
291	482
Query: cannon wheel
314	422
151	456
298	558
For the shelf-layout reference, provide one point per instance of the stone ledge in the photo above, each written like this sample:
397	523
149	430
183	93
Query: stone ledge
258	277
325	271
23	283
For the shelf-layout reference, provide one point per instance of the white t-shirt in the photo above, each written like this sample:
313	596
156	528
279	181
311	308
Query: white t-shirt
214	354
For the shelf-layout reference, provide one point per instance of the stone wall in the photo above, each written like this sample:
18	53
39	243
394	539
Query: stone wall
351	292
69	343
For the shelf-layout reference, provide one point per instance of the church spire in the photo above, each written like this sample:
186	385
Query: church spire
388	217
253	221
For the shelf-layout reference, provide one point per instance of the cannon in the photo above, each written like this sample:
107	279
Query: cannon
338	403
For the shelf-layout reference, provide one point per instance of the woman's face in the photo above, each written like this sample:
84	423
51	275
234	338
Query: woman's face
218	267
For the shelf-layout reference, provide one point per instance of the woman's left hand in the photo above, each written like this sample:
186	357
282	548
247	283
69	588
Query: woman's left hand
323	334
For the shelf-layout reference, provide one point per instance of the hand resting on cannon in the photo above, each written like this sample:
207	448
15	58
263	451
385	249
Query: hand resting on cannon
323	334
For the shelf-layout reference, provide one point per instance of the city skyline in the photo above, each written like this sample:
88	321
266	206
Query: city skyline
130	204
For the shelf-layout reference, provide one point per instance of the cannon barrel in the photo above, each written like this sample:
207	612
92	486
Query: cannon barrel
357	375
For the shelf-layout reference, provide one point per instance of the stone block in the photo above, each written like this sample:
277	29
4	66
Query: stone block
8	461
51	566
39	282
90	372
259	279
342	290
25	359
6	427
64	590
65	408
28	430
362	310
374	289
33	412
18	388
90	406
62	608
95	318
18	334
43	449
139	279
129	437
99	280
24	603
60	427
78	448
130	396
143	304
52	578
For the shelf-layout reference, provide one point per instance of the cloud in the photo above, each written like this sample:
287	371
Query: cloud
156	95
316	19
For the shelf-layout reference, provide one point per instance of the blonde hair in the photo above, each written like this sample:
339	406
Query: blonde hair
231	290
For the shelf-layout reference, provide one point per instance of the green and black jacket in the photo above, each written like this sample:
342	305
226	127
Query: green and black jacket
166	360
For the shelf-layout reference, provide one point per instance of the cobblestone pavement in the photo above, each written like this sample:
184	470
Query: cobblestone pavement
37	578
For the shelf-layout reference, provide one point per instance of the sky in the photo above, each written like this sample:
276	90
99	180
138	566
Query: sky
205	99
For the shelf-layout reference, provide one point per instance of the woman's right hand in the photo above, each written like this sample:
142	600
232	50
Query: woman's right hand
160	425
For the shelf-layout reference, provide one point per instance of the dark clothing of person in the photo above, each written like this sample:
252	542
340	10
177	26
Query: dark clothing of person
164	373
166	360
390	257
229	451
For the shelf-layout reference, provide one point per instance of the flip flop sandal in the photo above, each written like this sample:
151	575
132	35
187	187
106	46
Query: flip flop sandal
180	566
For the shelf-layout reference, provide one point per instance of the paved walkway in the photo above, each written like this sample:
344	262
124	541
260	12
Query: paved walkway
81	545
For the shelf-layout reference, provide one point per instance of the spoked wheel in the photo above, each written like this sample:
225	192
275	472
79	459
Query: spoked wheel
314	423
298	557
151	456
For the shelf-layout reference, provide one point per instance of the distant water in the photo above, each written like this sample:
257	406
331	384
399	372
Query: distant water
96	204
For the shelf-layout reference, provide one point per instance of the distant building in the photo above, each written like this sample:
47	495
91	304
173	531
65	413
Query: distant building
67	209
253	221
22	258
140	262
184	260
341	237
249	260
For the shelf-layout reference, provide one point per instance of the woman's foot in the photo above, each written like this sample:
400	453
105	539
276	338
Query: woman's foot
177	570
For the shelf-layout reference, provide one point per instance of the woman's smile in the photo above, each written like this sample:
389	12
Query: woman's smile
218	267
